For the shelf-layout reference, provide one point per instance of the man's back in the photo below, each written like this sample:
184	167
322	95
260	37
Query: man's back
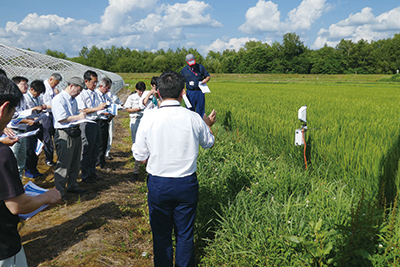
172	135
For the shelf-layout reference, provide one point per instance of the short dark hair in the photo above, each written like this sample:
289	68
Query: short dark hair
141	86
2	72
170	85
88	75
154	80
18	79
9	91
38	86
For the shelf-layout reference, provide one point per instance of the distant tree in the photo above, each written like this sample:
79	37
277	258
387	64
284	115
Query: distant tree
229	61
345	50
292	47
212	62
290	56
56	54
327	61
257	60
363	61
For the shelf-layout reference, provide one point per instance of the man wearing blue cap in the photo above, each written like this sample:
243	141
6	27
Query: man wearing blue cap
195	74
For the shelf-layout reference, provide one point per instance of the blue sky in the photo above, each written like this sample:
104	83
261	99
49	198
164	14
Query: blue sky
67	26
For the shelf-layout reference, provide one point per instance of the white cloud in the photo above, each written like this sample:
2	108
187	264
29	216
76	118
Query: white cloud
138	24
363	25
265	17
120	11
305	15
231	44
191	13
362	18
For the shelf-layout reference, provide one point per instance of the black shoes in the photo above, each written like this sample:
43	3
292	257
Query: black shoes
50	163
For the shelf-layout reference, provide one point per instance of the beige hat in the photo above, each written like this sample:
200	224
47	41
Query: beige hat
77	81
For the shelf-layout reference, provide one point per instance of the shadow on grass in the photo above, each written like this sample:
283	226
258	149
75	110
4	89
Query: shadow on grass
47	244
388	183
211	202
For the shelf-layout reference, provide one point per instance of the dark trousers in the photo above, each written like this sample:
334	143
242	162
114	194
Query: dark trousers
90	148
48	134
101	159
172	205
197	100
31	142
66	171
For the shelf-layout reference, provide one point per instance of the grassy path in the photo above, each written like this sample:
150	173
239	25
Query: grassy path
108	226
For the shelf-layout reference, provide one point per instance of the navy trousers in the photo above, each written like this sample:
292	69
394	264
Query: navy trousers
48	134
101	158
172	205
197	100
31	142
91	139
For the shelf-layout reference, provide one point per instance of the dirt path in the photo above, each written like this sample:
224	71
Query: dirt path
108	226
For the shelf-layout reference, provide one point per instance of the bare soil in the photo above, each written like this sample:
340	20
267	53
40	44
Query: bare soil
107	226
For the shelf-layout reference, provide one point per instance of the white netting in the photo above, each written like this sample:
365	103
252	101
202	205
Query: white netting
33	65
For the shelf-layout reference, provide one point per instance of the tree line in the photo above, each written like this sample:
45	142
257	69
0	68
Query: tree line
290	56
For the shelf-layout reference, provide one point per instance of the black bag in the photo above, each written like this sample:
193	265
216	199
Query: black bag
73	131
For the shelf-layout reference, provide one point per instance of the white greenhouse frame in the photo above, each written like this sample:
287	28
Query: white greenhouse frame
32	65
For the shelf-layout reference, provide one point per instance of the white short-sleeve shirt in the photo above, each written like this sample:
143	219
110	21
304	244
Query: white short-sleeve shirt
169	138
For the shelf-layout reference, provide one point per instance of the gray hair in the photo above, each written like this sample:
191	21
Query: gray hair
105	82
56	76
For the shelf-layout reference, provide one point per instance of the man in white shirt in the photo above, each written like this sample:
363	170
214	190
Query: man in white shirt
134	108
67	137
33	101
47	122
114	100
89	102
104	119
168	140
19	148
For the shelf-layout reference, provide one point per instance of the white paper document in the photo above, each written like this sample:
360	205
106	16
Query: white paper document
82	121
27	134
22	135
25	113
14	122
39	147
33	190
204	88
187	102
112	109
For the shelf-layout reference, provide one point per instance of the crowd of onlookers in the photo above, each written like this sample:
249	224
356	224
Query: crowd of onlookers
75	120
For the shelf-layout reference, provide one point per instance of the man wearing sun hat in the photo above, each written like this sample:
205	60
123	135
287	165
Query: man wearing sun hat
195	74
67	137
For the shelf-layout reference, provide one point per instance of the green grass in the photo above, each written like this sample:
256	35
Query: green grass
260	207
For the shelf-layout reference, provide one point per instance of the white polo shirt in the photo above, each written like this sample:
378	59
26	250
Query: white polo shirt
88	99
49	94
63	106
133	101
169	138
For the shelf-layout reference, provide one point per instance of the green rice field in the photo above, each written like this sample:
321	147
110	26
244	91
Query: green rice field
260	206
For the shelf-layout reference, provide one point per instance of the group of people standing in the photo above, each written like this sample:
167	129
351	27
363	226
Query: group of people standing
165	137
79	146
